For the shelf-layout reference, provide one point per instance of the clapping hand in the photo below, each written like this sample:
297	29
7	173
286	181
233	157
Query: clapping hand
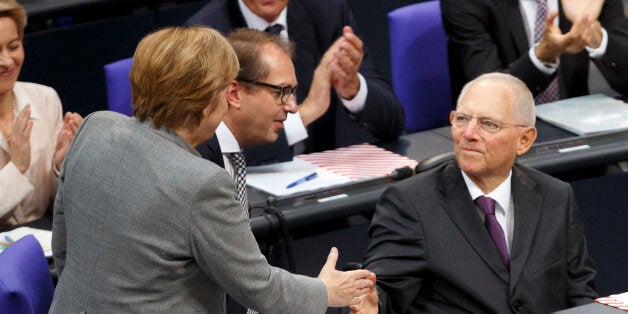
19	142
71	122
347	61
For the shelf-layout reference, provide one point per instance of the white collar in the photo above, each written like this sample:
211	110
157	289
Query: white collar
501	194
226	140
256	22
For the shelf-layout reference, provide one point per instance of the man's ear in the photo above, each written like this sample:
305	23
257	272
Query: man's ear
233	94
526	139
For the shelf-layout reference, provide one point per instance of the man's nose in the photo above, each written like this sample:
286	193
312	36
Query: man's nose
291	105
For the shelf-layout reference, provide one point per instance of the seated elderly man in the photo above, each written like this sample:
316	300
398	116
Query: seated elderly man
480	234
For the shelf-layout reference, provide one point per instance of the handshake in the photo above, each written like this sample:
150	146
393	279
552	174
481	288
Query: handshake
355	288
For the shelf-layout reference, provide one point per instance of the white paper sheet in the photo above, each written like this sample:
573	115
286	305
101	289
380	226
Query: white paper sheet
275	178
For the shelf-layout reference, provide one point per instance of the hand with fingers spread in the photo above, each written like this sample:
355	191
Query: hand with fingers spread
19	144
347	61
344	288
71	122
318	98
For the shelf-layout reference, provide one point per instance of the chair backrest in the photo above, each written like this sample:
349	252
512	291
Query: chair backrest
25	281
420	73
118	85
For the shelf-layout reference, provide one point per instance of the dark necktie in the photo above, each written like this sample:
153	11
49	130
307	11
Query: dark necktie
239	176
487	205
551	92
274	29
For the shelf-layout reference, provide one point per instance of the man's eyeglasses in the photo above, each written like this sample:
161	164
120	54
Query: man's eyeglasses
489	125
284	90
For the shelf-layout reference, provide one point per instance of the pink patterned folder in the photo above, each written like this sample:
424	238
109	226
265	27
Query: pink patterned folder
359	161
615	300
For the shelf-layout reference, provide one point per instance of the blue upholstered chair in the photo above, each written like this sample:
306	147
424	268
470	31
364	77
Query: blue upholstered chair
25	282
119	86
420	73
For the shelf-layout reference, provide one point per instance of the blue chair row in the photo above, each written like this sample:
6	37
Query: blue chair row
25	282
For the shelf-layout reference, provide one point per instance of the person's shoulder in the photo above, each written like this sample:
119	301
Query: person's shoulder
210	13
526	174
35	89
322	6
429	179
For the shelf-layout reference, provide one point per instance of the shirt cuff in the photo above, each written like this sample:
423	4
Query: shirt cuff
14	192
596	53
356	104
545	67
295	129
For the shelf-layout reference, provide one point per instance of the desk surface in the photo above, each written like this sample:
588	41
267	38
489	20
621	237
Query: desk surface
548	155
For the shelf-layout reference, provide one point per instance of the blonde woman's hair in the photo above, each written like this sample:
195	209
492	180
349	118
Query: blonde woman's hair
177	72
13	10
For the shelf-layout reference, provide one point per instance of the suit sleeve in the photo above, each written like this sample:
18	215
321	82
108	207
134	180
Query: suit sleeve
225	249
614	64
382	115
473	45
397	253
581	288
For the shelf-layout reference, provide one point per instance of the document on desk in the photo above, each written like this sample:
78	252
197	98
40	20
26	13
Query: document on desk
332	167
586	114
44	237
619	301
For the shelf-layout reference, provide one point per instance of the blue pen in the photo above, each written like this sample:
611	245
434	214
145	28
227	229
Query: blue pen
302	180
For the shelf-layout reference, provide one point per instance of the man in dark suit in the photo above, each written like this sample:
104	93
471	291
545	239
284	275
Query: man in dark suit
261	96
364	108
436	250
499	35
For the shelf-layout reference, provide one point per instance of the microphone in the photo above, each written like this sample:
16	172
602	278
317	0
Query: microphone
401	173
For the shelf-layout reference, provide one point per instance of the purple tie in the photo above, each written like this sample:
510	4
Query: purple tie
551	92
487	205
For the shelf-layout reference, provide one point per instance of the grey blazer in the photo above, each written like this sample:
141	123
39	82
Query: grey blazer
432	254
143	224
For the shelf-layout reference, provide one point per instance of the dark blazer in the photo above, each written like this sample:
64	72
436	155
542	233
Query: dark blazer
431	251
211	151
489	35
313	26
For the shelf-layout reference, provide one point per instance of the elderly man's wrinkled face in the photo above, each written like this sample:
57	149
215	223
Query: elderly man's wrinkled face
267	9
480	153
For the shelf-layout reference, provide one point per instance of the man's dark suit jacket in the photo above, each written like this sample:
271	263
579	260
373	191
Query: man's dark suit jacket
489	35
431	251
313	26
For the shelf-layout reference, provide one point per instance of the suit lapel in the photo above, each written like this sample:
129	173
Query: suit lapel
527	208
512	13
462	211
308	51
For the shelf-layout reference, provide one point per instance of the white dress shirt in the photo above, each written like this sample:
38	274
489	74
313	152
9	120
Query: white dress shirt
26	196
504	207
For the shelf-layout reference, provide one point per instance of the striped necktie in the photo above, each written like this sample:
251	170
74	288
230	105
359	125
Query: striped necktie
551	92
